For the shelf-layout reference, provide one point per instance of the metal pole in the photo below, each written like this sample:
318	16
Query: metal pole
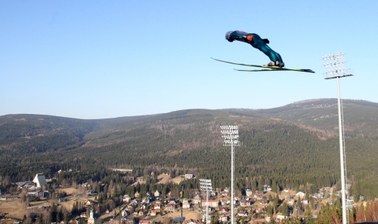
182	200
232	182
205	185
230	133
342	168
335	64
207	207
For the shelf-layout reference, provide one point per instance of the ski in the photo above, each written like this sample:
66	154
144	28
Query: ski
264	67
276	69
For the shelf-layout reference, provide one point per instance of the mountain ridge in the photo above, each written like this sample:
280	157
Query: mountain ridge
294	144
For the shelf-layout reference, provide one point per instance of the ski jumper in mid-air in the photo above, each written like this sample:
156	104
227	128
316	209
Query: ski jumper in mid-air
257	42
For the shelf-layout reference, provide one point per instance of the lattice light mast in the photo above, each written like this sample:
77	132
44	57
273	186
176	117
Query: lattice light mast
334	64
230	134
205	185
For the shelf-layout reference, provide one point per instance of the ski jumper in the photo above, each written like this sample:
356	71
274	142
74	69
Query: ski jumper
257	42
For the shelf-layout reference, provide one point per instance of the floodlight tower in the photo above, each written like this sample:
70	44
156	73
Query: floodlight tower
334	64
230	134
205	185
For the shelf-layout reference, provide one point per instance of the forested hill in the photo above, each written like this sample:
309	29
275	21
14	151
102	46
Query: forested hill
288	146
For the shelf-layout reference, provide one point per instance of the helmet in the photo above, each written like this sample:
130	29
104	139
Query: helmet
228	36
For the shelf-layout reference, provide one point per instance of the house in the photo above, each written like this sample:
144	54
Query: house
153	213
223	218
91	193
40	180
185	203
25	184
223	210
300	195
157	205
245	203
280	217
291	202
33	193
170	207
225	192
267	188
248	192
126	198
188	176
196	199
89	203
214	203
242	214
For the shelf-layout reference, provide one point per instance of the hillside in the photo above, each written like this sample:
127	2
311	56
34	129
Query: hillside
289	146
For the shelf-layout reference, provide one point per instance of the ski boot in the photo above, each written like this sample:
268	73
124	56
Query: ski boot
276	63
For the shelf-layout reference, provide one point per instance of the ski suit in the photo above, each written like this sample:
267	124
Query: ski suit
257	42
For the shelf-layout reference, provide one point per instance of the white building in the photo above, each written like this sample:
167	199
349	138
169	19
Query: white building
188	176
248	192
40	180
157	194
91	219
185	204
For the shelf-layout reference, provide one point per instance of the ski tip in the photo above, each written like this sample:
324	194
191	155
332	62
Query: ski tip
216	59
309	70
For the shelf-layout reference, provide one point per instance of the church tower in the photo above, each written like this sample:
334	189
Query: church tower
91	219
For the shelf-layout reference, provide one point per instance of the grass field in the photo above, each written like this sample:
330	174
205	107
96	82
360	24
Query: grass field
13	208
187	214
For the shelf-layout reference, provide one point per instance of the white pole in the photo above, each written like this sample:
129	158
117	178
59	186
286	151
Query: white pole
335	64
230	133
232	182
207	207
342	168
205	185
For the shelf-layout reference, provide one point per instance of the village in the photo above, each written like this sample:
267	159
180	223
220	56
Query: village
82	204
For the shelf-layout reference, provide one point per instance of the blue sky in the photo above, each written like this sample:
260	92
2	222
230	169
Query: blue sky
104	59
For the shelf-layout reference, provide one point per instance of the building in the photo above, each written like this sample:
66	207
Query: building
185	204
213	203
188	176
248	192
40	180
91	219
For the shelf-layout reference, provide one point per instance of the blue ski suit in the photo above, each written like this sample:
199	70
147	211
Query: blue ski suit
257	42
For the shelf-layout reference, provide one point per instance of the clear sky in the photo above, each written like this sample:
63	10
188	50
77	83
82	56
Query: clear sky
105	59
